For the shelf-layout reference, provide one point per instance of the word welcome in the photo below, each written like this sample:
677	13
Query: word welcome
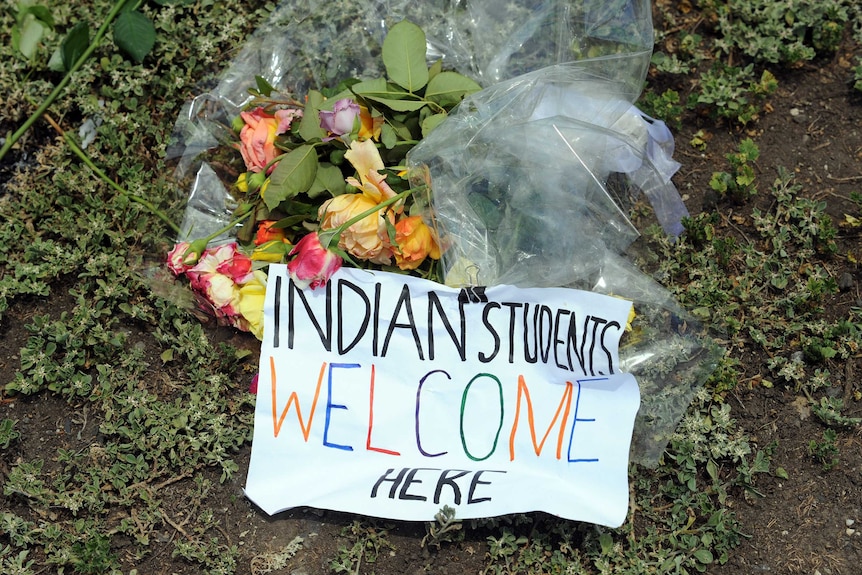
522	403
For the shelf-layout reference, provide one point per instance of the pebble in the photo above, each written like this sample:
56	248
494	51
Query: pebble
846	282
849	522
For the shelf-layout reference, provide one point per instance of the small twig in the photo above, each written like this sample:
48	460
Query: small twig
173	524
846	179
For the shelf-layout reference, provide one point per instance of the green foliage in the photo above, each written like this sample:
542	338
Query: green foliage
769	289
665	106
732	93
828	410
134	34
857	75
13	564
162	423
740	184
8	433
779	32
445	527
825	452
365	542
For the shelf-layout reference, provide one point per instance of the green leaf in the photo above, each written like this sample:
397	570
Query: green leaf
712	470
606	542
290	221
703	556
388	137
75	44
55	63
435	69
263	86
42	14
431	122
27	40
380	88
330	178
404	55
293	175
134	34
487	211
309	126
399	105
449	88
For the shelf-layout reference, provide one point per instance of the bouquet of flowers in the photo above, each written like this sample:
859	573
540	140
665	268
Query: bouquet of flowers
324	181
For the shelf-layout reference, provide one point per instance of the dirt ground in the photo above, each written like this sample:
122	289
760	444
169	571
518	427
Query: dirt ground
808	523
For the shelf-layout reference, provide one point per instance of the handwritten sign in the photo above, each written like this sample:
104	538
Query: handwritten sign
391	396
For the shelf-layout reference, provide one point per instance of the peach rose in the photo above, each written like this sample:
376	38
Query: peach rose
257	137
367	239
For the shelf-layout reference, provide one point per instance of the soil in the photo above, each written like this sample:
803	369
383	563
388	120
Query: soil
807	523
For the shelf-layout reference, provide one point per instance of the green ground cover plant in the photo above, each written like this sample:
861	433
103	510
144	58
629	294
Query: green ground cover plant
158	406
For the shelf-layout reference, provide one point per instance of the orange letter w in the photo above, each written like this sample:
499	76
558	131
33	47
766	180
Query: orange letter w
293	399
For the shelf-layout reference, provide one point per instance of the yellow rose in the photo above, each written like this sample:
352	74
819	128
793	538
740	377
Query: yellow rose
415	243
272	251
251	298
369	126
367	239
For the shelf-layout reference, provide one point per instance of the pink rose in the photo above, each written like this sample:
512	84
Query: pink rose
221	291
219	259
341	119
312	264
236	268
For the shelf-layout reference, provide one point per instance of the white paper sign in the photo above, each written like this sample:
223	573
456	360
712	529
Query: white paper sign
391	396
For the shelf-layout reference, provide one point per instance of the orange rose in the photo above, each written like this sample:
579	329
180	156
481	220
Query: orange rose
367	239
267	233
415	243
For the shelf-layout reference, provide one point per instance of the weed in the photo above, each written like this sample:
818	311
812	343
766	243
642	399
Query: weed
12	564
444	528
732	93
93	556
828	410
8	433
826	451
857	75
268	562
740	184
665	106
786	32
367	542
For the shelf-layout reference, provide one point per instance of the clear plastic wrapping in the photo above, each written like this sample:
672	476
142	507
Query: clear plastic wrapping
532	178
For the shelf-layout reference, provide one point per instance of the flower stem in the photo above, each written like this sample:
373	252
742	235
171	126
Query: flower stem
10	141
236	221
329	236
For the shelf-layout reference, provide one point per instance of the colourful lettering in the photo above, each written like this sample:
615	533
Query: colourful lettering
524	391
294	400
371	419
575	420
499	427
